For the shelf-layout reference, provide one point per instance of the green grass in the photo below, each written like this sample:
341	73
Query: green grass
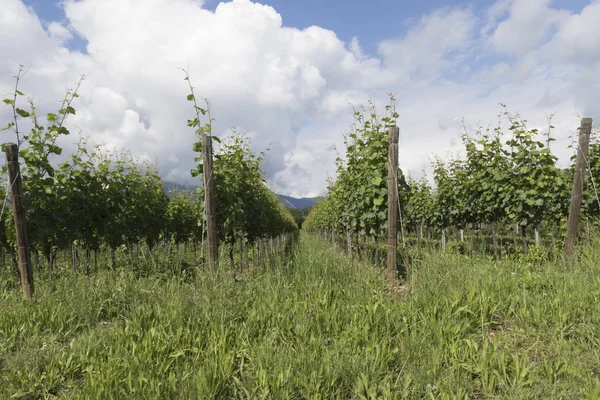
312	325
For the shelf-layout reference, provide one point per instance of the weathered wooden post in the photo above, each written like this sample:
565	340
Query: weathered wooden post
392	239
209	202
349	243
443	239
16	191
578	180
495	241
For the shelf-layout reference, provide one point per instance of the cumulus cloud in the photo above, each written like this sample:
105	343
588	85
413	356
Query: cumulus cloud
527	25
426	47
577	40
289	89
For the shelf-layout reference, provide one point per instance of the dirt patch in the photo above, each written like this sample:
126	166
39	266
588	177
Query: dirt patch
246	273
397	288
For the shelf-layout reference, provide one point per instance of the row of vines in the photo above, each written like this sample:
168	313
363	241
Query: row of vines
504	187
95	200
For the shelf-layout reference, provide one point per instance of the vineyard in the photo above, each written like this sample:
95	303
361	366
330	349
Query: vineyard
479	281
101	204
503	196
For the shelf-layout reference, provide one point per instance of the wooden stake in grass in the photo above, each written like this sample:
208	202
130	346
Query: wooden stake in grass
392	245
349	243
16	190
578	179
209	201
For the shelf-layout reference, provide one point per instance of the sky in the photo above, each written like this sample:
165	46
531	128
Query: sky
285	73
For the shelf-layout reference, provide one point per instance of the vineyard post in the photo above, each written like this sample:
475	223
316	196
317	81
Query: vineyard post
495	241
257	251
392	217
578	179
587	230
349	240
16	190
209	202
241	253
443	239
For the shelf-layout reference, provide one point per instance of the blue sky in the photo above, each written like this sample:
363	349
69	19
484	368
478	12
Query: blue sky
371	21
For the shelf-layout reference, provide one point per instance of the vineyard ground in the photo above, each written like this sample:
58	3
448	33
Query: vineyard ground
313	325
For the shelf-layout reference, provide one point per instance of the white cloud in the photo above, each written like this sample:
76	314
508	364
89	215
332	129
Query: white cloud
577	40
425	48
528	23
59	32
290	89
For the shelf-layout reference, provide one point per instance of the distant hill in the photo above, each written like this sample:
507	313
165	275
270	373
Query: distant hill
293	202
177	186
288	201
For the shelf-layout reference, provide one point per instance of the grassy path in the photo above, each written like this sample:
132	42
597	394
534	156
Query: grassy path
312	326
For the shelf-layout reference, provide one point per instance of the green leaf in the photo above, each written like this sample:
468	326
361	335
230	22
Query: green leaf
10	125
23	113
190	97
8	101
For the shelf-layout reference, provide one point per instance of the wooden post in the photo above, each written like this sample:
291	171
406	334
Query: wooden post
349	243
587	230
74	256
578	180
256	259
366	253
16	191
376	249
241	253
524	239
209	203
443	239
392	217
495	241
165	240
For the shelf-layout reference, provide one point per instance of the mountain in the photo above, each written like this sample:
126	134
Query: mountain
177	186
288	201
293	202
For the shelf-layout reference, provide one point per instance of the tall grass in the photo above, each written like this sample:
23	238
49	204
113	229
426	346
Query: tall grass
310	325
